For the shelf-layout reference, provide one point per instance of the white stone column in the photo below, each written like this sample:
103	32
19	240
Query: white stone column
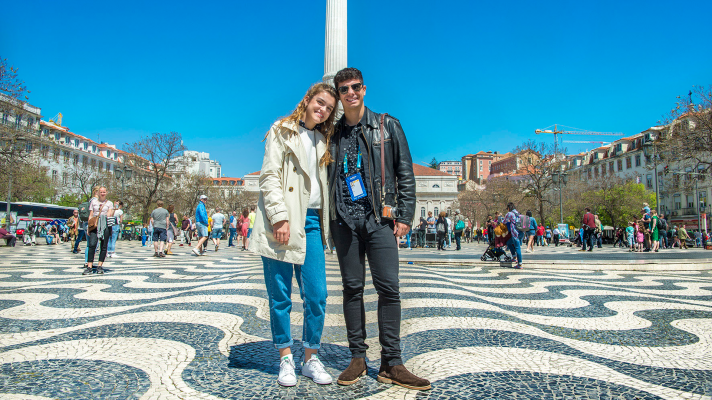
335	48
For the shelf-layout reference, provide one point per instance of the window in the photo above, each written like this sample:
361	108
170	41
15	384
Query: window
18	120
619	147
76	142
628	163
4	118
595	156
54	175
422	212
610	166
56	155
93	148
436	186
76	159
632	145
435	212
703	200
66	156
65	178
677	201
637	160
28	147
56	136
589	173
603	170
101	166
649	181
690	201
595	172
620	165
93	163
86	146
85	161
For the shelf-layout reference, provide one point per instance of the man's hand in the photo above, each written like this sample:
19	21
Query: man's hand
281	231
400	229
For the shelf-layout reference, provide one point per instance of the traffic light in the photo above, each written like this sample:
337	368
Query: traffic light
666	170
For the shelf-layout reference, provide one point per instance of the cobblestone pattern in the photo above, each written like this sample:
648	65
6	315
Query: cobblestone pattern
189	327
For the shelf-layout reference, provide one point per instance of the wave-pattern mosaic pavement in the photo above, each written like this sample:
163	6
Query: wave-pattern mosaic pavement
190	327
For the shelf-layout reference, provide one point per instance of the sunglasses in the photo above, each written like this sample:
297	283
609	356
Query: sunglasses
356	87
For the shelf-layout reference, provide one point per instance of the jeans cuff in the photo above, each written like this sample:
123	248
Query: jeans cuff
308	345
358	353
392	362
284	345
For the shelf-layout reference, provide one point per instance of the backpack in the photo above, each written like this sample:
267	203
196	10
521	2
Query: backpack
522	221
441	227
662	224
84	211
460	225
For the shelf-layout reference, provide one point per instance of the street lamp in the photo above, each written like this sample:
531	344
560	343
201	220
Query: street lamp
649	150
18	141
560	178
124	173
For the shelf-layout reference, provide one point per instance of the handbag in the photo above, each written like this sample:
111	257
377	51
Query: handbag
94	221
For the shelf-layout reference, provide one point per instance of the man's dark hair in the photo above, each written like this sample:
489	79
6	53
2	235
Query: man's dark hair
587	209
121	203
510	206
347	74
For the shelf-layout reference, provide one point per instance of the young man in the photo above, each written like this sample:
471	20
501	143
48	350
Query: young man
367	215
159	220
588	224
201	225
185	227
458	231
251	216
233	229
218	221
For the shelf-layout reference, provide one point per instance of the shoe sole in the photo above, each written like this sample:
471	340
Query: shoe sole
347	383
386	380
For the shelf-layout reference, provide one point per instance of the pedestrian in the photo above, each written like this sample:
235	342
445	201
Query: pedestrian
251	216
421	232
144	234
407	237
655	232
682	235
365	225
185	227
698	238
72	225
547	236
599	231
459	227
115	228
172	230
468	230
630	235
540	232
663	235
532	230
441	230
160	221
510	220
639	236
232	228
99	231
218	222
290	228
588	224
150	233
245	228
201	225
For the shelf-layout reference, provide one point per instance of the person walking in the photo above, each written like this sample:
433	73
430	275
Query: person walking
547	236
245	228
682	235
116	228
144	235
291	228
598	238
449	229
364	224
513	244
172	230
159	220
99	231
421	232
588	224
218	222
655	232
556	235
185	227
233	229
441	230
532	230
251	216
630	235
201	225
663	227
459	228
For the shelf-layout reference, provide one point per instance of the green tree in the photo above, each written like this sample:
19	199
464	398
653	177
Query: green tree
433	163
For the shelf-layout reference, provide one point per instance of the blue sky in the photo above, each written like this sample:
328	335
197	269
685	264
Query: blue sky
461	76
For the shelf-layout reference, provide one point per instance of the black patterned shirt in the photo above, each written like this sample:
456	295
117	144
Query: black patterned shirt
349	145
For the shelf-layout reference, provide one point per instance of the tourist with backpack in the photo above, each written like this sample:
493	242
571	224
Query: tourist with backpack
532	231
83	218
441	230
459	227
662	229
510	221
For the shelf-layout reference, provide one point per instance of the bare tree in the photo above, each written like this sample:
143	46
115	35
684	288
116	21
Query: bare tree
154	158
13	98
688	139
537	163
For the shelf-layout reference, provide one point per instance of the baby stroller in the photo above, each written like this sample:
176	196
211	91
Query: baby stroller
495	254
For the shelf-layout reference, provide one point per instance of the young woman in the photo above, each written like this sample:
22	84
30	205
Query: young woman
291	225
532	232
244	226
101	208
654	233
441	230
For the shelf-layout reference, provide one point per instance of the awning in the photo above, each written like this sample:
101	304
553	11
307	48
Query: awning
688	222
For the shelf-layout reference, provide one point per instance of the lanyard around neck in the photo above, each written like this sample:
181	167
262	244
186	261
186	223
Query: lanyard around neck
346	162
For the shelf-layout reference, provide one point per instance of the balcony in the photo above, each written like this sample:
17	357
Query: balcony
687	211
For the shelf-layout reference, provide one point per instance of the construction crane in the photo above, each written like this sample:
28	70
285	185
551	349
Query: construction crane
572	131
585	141
57	119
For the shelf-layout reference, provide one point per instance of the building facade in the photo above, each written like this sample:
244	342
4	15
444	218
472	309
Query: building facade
435	191
197	162
513	163
476	167
228	186
451	167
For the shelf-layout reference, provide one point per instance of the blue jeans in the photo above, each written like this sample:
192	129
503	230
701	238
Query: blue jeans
233	233
81	234
143	240
515	248
311	278
112	240
407	238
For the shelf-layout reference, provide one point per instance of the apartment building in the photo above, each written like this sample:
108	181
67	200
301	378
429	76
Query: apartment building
451	167
476	167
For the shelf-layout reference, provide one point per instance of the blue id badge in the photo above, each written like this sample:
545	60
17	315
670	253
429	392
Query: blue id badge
356	188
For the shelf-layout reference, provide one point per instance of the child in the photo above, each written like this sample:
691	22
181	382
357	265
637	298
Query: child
144	235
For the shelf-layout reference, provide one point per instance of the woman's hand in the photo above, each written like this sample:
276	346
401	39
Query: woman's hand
281	231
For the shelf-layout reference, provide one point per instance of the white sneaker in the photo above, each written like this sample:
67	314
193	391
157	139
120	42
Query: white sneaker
196	251
314	369
287	377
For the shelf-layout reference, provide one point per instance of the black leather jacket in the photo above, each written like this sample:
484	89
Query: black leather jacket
399	177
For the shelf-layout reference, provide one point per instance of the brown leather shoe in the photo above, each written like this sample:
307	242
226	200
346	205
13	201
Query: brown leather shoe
399	375
353	372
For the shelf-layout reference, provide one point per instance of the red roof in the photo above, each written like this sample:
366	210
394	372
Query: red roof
420	170
255	173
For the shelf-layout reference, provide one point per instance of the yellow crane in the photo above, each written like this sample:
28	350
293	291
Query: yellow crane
572	131
57	120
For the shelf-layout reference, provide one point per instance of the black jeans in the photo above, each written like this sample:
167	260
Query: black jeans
381	249
588	237
94	241
421	238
